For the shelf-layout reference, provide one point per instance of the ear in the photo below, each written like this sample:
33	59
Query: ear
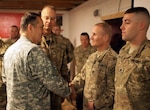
30	27
142	25
106	37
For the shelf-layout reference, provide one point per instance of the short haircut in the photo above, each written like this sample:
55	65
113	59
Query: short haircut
14	26
139	10
106	28
28	18
85	34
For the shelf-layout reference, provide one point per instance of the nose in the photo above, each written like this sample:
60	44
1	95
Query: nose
121	27
91	37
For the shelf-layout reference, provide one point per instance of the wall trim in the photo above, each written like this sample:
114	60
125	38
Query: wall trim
112	16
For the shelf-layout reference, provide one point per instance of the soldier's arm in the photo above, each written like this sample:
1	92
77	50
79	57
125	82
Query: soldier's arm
72	69
79	78
42	69
70	49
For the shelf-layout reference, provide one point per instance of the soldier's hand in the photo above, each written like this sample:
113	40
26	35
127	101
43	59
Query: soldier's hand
90	105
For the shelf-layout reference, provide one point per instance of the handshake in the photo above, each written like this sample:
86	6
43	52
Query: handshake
69	103
73	94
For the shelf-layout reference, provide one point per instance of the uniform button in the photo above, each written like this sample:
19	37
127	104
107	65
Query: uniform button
121	70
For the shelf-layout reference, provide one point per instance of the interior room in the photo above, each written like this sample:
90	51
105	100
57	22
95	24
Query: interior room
49	60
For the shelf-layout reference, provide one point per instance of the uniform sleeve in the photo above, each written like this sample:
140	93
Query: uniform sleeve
80	78
69	51
42	69
64	68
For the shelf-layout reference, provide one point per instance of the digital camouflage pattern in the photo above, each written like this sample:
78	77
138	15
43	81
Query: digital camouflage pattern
98	74
60	52
81	55
132	80
3	47
30	76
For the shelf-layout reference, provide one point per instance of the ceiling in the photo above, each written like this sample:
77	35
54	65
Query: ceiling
61	5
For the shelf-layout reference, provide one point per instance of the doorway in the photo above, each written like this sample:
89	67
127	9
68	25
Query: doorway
116	43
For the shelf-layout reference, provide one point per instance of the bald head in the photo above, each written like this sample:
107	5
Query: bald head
47	8
48	15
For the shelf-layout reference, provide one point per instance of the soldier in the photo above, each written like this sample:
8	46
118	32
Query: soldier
55	49
3	47
98	71
14	34
81	54
132	77
28	73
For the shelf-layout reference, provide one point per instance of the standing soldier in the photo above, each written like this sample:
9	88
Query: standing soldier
98	72
81	54
14	34
55	49
132	76
28	73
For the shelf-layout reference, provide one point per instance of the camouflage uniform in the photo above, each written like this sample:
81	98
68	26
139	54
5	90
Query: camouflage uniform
57	50
3	47
132	79
61	53
30	76
81	55
98	74
69	47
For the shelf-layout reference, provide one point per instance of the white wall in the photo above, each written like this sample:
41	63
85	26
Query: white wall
146	4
